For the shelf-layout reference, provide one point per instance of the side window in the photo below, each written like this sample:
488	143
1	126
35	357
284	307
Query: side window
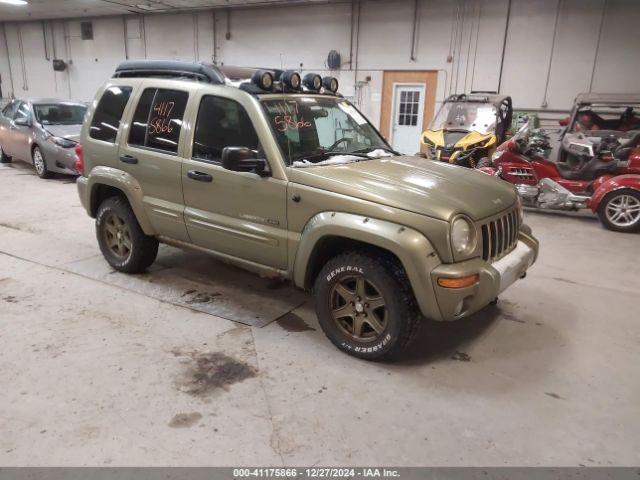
23	113
221	123
10	110
158	119
106	119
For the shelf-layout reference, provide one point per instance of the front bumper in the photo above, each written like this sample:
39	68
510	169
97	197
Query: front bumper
81	183
494	278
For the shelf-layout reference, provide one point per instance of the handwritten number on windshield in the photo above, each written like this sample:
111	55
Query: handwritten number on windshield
288	117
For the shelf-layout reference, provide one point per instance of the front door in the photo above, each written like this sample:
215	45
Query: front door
406	121
239	214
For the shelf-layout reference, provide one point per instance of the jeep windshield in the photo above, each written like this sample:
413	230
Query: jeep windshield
468	116
314	130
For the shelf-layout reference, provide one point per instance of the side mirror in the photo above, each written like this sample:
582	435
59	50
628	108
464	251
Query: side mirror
243	159
23	122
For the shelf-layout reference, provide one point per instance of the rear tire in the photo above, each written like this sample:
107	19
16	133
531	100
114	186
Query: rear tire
620	210
365	305
40	164
4	158
122	242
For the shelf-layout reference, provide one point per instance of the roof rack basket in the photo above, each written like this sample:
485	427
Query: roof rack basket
200	72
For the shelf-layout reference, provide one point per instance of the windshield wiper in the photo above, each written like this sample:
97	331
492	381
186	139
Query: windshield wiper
331	153
372	149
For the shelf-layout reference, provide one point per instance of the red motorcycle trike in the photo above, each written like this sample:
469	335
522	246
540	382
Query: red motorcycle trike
607	181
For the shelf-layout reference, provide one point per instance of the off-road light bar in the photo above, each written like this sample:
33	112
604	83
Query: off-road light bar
330	84
312	81
263	79
291	79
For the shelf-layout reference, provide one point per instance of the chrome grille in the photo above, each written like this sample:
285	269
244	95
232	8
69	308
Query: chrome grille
500	236
522	173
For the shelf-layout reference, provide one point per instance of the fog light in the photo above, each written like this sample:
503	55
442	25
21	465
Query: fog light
312	81
330	84
459	282
291	79
263	79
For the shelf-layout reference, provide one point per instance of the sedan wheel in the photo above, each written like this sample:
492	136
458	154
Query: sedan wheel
40	164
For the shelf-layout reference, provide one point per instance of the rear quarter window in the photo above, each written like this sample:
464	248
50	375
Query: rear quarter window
108	114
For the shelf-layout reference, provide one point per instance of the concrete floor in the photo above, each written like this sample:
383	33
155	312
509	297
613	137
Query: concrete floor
95	374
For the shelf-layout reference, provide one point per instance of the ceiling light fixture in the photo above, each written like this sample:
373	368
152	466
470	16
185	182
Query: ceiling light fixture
14	2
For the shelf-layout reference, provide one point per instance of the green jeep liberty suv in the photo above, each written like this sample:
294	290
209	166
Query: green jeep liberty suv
282	176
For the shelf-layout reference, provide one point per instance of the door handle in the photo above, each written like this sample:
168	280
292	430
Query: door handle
128	159
199	176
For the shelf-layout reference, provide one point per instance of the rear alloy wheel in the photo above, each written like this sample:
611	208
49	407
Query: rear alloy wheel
40	164
122	242
4	158
365	305
620	210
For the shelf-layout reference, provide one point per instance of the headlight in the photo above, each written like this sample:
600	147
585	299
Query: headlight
463	236
63	142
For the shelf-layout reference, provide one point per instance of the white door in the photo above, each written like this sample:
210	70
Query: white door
406	122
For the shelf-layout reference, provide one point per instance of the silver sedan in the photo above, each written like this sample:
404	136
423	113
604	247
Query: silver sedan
42	132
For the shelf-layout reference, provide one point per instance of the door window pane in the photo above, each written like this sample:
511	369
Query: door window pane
23	114
222	123
10	110
158	119
106	119
408	107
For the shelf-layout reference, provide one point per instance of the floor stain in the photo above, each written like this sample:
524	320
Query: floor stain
209	372
185	420
293	323
461	357
511	317
553	395
560	279
201	297
10	299
19	227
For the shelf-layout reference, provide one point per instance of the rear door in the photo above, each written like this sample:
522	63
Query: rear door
20	134
152	153
240	214
6	125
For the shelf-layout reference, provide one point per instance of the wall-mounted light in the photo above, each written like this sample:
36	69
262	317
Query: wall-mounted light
14	2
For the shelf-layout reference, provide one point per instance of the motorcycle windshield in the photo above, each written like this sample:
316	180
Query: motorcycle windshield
470	116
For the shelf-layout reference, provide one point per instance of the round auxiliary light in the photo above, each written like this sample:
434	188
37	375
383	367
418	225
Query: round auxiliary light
312	81
263	79
330	84
291	79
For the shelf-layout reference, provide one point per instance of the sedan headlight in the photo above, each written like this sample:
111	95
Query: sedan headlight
463	236
63	142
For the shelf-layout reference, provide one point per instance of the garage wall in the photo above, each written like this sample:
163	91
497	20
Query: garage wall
554	48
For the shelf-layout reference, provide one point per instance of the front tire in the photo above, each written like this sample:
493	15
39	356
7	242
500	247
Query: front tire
4	158
123	243
620	210
40	164
365	305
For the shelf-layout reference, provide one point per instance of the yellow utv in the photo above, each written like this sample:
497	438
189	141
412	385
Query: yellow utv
468	128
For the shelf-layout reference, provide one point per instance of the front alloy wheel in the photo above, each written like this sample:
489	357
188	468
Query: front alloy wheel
365	304
620	210
40	164
117	235
358	308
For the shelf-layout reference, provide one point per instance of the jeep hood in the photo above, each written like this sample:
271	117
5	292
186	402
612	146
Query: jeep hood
427	187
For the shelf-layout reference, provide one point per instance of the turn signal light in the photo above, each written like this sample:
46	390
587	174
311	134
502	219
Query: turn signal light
459	282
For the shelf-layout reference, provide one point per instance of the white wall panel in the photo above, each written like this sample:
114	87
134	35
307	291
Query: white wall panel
618	62
528	50
470	31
